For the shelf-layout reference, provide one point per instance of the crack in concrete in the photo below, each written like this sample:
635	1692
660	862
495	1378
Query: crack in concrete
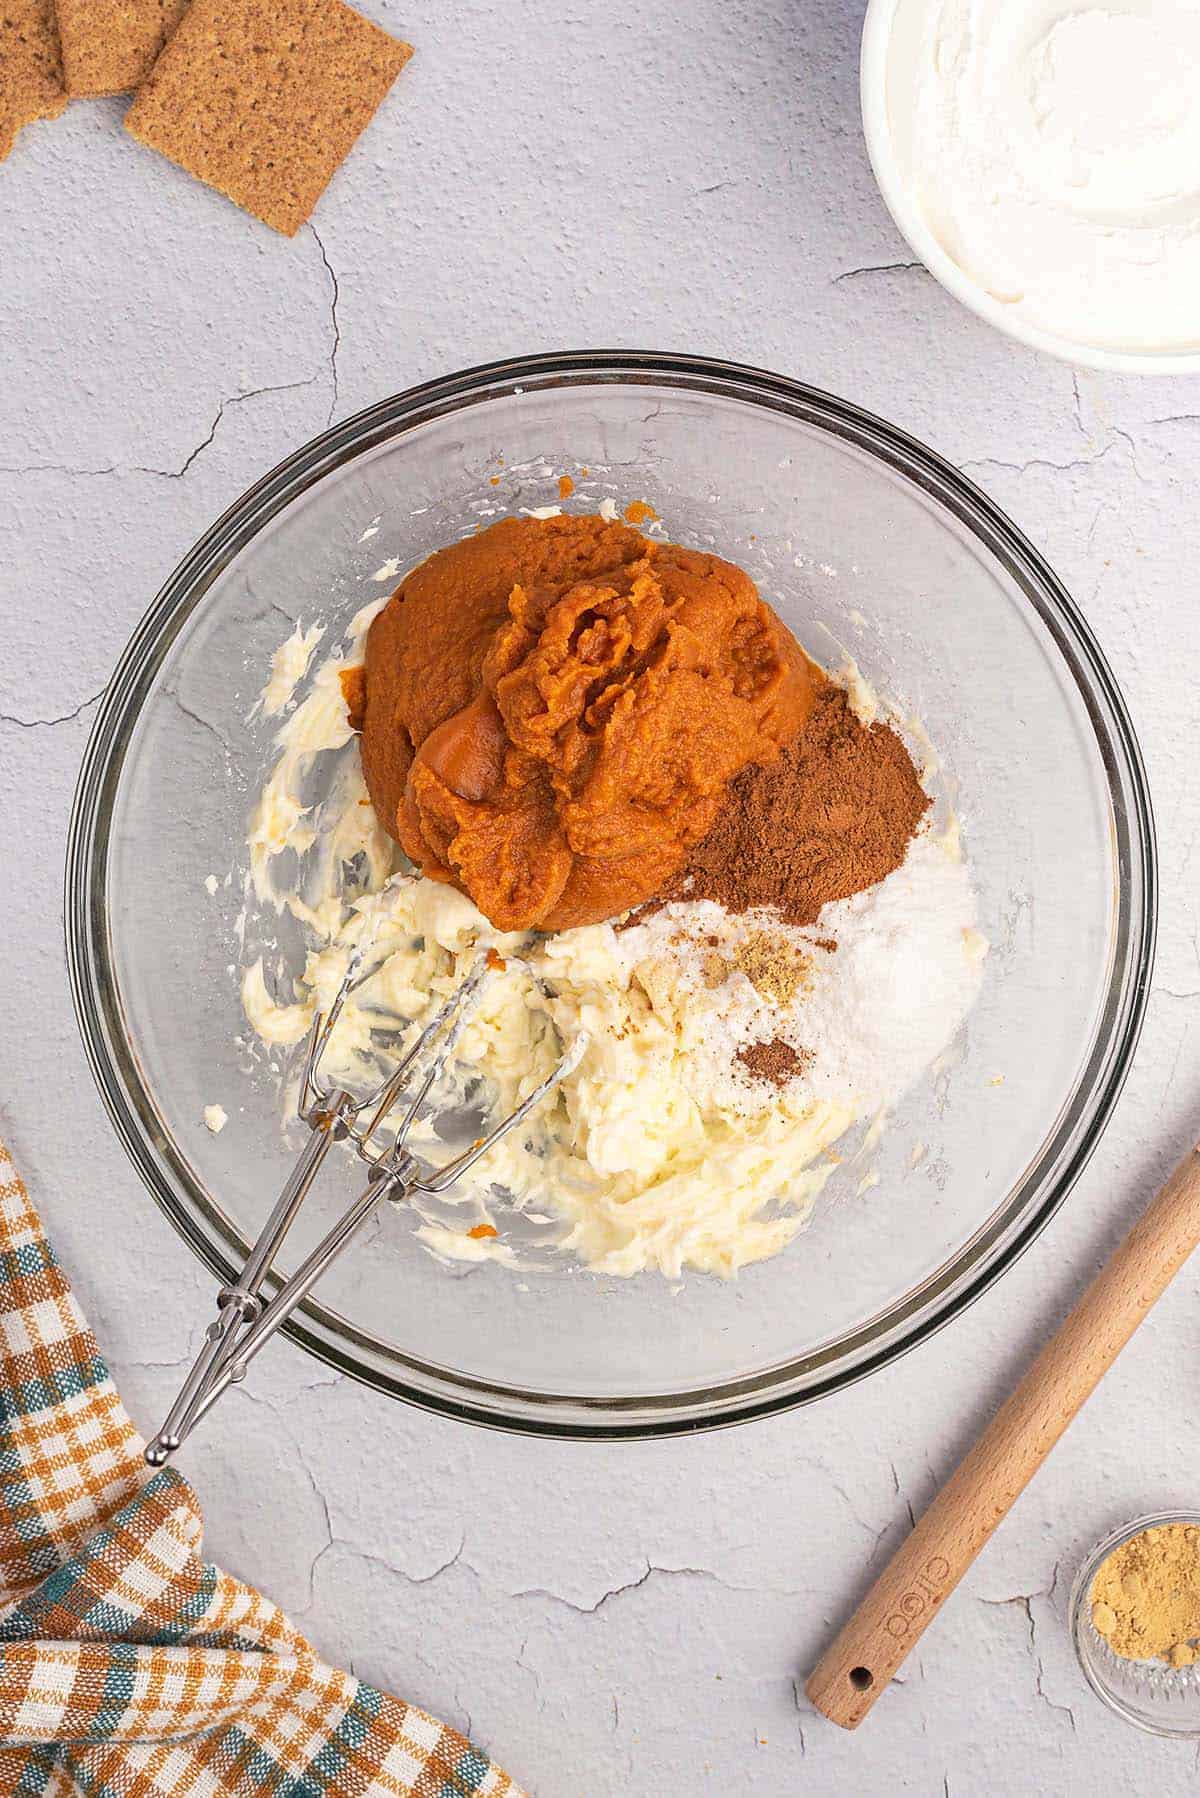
1083	430
273	605
260	1398
22	468
165	474
798	1701
912	1521
1125	438
1092	529
528	1667
204	723
184	1360
1021	468
876	1535
49	723
319	1385
326	1518
877	268
374	1560
1117	439
235	399
1025	1600
1169	1083
589	1610
333	318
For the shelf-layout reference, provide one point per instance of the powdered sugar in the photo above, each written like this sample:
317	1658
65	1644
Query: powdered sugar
906	972
867	999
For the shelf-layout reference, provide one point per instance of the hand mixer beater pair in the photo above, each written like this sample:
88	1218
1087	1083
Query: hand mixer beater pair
246	1320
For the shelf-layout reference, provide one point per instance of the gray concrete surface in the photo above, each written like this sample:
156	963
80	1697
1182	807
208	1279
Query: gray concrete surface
630	1619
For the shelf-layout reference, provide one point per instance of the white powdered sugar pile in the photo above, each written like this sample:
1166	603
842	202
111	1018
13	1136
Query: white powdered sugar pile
866	999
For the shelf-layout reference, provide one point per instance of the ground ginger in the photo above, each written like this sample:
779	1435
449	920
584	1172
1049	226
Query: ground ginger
1146	1596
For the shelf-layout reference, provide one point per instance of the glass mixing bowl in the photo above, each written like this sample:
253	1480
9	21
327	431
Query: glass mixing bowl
856	534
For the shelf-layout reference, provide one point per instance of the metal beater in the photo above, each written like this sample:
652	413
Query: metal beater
245	1320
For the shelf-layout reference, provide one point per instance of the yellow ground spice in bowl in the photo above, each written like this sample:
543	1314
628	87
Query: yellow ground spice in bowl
1145	1596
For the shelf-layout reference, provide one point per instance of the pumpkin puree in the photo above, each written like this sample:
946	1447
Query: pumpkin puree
555	709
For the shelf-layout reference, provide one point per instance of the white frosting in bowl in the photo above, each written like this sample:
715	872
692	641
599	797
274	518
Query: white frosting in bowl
1053	152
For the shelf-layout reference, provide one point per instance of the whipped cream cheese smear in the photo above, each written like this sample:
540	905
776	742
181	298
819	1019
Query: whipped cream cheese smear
1054	151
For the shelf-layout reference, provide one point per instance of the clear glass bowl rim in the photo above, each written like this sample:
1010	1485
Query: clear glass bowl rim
911	1320
1078	1616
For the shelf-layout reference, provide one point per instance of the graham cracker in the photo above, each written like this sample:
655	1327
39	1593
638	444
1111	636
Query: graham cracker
110	46
31	85
264	98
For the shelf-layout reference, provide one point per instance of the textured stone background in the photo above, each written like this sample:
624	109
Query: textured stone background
630	1619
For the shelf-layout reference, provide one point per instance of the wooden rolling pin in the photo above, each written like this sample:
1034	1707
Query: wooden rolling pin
984	1487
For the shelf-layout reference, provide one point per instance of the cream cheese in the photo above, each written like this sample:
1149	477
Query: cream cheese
289	665
1052	149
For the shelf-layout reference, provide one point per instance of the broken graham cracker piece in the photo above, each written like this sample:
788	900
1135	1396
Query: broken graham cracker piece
110	46
262	99
31	84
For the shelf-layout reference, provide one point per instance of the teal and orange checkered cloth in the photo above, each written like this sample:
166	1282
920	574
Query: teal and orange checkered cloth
130	1667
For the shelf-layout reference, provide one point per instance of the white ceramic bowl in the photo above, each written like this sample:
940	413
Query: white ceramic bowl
900	202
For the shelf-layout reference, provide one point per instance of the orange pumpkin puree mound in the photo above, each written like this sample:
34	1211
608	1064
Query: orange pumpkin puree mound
555	709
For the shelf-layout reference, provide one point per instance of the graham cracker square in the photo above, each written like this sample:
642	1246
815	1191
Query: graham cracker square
110	46
264	98
31	85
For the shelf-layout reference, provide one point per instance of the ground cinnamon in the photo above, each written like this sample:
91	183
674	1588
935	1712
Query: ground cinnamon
831	816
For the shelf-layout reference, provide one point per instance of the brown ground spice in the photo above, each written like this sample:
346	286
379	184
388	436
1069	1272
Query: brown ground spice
775	1061
773	967
831	816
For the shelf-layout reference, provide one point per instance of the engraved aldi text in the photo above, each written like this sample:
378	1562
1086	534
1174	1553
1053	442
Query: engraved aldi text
924	1594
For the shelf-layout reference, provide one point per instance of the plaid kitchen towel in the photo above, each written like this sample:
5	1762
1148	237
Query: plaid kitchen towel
130	1667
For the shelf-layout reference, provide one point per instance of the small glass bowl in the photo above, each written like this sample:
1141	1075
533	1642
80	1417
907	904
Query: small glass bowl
1164	1700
